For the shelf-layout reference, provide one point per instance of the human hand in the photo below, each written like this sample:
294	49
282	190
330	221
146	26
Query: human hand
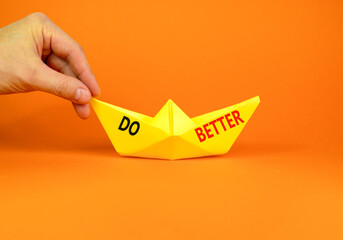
35	54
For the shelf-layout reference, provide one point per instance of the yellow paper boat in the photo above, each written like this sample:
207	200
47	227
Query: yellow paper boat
171	134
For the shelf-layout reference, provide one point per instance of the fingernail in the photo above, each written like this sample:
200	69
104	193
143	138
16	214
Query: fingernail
81	95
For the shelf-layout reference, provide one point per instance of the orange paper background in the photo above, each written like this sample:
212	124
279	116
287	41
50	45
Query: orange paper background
61	179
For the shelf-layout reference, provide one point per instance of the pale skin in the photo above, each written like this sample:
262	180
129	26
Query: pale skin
36	55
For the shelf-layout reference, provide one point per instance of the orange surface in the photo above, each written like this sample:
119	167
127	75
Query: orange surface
283	179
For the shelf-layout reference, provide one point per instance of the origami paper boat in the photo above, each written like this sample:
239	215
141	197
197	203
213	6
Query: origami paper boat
171	134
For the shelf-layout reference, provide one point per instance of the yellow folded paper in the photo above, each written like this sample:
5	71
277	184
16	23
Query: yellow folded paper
171	134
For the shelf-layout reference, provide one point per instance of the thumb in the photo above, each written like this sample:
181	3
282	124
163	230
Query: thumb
51	81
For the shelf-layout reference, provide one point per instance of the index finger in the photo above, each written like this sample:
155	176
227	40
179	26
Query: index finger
67	48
